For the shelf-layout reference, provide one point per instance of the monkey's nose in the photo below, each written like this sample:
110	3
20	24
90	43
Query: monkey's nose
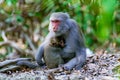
55	29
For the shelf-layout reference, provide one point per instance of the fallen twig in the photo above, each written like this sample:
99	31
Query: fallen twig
10	68
54	70
9	62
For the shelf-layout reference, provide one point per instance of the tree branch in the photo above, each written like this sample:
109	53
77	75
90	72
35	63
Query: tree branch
17	48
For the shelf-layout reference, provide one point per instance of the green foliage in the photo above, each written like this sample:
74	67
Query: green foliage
104	19
11	2
1	39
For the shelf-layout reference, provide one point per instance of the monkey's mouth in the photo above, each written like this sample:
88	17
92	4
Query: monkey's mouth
57	33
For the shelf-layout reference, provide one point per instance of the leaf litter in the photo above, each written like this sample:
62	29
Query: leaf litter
97	67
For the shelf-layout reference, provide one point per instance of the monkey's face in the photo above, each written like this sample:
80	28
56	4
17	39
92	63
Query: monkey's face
59	23
55	25
59	27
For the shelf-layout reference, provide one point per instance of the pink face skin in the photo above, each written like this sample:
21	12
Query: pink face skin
55	24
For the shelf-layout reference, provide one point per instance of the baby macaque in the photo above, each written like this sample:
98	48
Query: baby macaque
57	42
52	52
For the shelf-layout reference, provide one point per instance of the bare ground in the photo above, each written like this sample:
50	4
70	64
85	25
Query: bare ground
98	67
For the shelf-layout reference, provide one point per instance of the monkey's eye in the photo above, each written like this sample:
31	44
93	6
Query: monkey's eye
55	21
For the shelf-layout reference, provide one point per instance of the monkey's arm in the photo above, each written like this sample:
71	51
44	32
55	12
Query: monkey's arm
77	61
75	41
38	58
39	55
81	57
40	51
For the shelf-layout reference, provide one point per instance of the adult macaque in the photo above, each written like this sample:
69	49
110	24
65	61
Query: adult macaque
72	53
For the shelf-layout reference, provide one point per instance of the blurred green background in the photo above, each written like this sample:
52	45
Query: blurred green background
98	19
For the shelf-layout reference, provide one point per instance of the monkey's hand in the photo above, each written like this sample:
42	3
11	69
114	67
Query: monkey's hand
41	63
64	66
67	67
70	64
